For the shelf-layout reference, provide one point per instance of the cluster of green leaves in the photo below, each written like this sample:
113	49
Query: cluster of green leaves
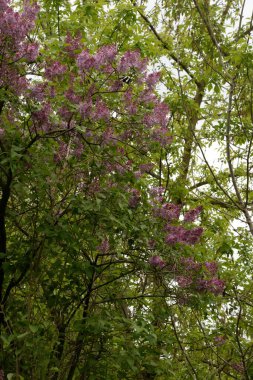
72	312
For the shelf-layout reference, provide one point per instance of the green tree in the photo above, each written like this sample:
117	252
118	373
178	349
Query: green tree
99	275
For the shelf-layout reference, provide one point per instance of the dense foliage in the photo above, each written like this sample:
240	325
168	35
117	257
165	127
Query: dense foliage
121	254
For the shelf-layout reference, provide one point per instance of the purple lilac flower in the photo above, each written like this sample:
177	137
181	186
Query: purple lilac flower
157	261
190	264
220	340
104	247
183	281
192	215
211	267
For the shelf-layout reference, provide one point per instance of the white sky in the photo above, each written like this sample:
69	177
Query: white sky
248	8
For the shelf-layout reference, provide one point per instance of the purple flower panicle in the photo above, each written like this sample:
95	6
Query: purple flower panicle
192	215
157	261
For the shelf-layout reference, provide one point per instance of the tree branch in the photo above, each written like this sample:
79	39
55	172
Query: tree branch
210	31
164	44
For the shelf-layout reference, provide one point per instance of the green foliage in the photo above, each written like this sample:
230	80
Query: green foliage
106	312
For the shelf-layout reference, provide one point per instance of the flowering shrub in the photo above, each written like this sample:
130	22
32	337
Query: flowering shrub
15	49
85	208
89	106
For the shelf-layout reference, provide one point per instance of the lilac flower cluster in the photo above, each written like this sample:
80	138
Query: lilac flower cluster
191	215
162	136
190	264
219	340
28	51
56	68
72	44
238	367
14	27
146	168
152	79
131	106
85	61
213	285
159	116
105	55
135	198
178	234
157	261
168	211
157	193
104	247
108	136
41	118
61	154
211	267
148	96
101	110
210	282
132	60
184	281
94	187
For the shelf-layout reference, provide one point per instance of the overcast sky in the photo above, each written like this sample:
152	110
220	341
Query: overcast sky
248	8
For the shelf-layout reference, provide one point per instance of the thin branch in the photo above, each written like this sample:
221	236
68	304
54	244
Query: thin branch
15	282
238	339
108	300
182	348
193	118
238	206
245	33
210	31
229	159
241	17
225	11
249	148
164	44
